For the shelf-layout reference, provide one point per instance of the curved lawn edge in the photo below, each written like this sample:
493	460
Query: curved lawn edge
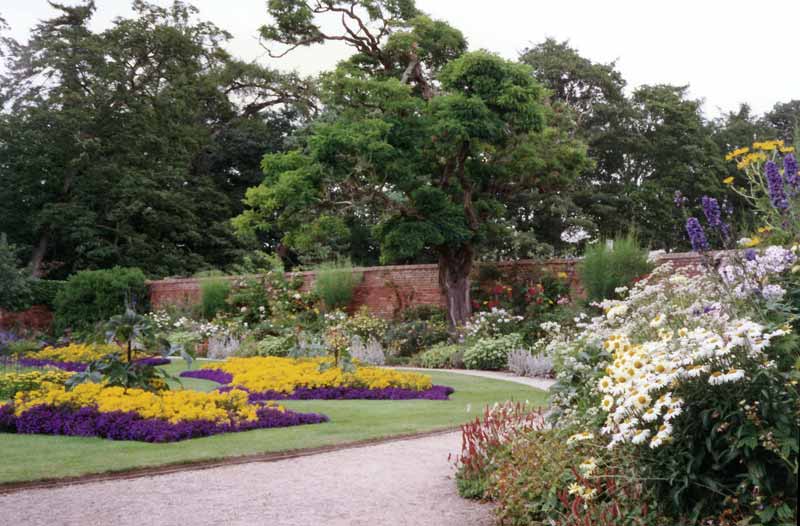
353	423
197	465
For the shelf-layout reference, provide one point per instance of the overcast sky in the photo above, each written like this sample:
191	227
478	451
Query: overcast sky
728	52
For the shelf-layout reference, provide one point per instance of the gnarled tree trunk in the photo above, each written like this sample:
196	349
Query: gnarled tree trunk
455	265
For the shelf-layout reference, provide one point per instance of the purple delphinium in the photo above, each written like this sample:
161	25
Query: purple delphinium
790	172
713	214
215	375
775	186
680	201
696	235
129	425
712	211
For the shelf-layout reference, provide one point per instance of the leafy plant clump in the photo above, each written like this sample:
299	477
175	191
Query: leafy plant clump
335	283
491	353
92	296
214	293
606	268
440	356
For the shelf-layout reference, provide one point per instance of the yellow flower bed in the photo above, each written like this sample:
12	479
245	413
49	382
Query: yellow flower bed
284	375
76	352
173	406
11	383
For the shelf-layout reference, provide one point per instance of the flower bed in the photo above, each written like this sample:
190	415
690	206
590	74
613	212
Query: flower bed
76	356
95	410
275	378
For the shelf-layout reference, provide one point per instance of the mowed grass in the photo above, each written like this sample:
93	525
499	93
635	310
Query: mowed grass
38	457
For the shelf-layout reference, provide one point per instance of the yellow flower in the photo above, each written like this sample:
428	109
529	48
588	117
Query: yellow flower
786	149
737	153
563	275
284	375
728	180
764	229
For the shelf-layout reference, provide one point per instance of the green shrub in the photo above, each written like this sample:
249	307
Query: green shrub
15	292
605	268
424	313
438	357
91	296
491	353
409	338
44	291
335	284
214	294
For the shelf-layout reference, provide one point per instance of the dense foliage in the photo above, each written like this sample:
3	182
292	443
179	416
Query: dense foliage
92	296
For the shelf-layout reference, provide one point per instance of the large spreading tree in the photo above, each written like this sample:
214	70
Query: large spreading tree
134	145
440	151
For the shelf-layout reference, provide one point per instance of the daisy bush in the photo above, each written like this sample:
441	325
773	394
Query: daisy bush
695	371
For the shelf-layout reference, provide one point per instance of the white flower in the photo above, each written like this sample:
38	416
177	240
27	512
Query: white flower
640	436
574	234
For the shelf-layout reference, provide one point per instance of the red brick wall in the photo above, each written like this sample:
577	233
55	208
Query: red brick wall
388	290
38	318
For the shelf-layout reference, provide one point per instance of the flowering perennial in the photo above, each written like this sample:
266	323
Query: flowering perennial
113	412
277	378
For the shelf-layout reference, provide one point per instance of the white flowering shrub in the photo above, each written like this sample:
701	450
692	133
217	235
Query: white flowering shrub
223	346
495	322
695	370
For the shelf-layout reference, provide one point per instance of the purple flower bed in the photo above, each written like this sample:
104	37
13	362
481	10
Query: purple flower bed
121	425
215	375
74	367
78	367
436	392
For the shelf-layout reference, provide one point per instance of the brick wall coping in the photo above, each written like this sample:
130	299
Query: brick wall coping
428	266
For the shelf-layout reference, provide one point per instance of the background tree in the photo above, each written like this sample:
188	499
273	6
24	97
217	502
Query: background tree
592	95
117	157
439	150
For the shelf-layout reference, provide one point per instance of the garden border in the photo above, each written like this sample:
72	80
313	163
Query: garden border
134	473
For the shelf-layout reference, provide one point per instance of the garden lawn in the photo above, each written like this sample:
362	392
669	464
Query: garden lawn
36	457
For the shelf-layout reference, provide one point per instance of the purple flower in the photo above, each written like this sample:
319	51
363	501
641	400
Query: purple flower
680	200
73	367
696	235
153	360
750	254
129	425
775	186
436	392
713	214
215	375
790	171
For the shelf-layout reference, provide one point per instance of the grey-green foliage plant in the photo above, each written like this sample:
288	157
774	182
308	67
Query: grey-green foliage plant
370	352
214	294
15	291
606	266
335	283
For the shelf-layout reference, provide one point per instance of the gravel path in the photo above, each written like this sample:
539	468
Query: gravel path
408	482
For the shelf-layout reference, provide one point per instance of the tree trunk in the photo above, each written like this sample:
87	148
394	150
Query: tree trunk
37	258
455	265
